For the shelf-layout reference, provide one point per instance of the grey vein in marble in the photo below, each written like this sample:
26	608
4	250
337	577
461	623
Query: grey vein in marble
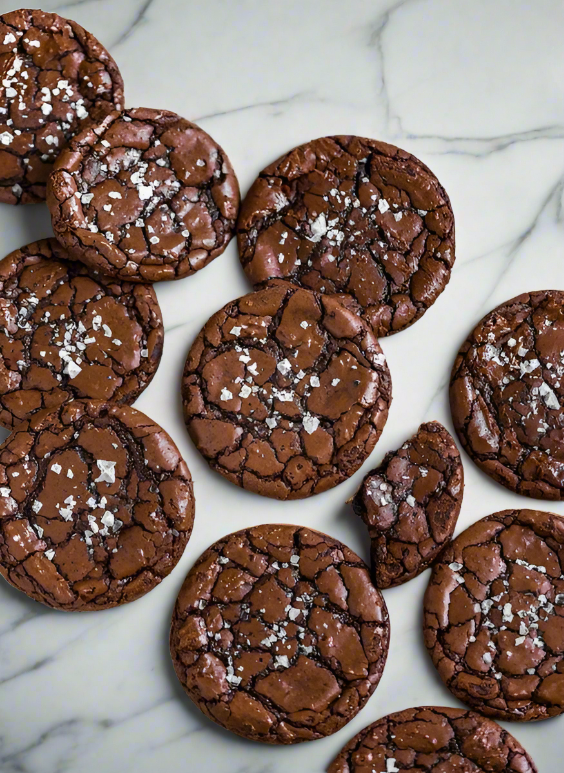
140	18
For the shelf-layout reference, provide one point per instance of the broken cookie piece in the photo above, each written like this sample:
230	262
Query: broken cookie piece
411	503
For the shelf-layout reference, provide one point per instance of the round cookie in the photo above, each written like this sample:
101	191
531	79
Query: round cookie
144	195
67	334
55	75
352	216
96	506
433	739
411	504
506	390
286	392
279	635
494	615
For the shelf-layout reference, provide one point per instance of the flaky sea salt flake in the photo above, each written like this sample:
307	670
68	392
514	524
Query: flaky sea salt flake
107	471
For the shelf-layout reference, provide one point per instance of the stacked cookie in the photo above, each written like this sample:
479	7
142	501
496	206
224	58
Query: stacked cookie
280	633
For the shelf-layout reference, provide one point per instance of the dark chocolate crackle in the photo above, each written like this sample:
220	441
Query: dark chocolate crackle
96	506
411	503
279	635
356	217
494	615
286	391
65	333
55	76
144	195
507	394
433	739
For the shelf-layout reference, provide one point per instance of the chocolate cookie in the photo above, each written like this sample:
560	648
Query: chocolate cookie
96	506
494	615
506	391
144	195
55	75
286	392
353	216
65	334
279	635
433	739
411	503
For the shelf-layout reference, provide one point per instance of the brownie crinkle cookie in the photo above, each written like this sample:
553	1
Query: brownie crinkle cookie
356	217
494	615
96	506
286	391
143	195
55	76
507	392
433	739
279	635
66	334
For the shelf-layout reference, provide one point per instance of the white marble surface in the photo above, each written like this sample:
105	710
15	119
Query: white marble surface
475	88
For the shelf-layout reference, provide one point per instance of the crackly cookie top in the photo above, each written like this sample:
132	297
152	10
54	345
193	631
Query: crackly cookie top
494	615
352	216
55	75
286	391
506	394
96	506
278	634
144	195
411	503
433	739
66	334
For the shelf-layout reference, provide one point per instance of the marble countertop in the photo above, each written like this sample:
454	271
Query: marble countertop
473	88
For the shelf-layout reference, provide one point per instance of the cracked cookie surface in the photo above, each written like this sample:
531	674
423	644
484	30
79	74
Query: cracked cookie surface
356	217
144	195
66	334
433	739
506	393
411	504
55	75
96	506
286	391
279	635
494	615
